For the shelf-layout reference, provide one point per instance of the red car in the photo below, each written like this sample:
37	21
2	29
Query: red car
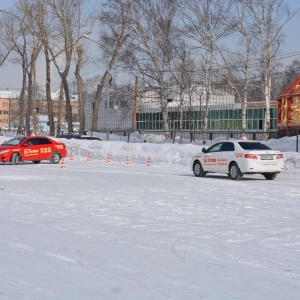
34	148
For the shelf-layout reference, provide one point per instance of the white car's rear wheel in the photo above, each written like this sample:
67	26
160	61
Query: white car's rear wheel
234	172
270	176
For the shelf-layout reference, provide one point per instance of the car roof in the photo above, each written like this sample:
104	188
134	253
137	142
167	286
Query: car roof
236	141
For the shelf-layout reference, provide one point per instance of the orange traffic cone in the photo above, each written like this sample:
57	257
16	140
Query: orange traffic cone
148	162
62	163
88	157
127	160
71	156
108	159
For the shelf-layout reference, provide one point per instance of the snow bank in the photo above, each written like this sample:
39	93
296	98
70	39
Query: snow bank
160	153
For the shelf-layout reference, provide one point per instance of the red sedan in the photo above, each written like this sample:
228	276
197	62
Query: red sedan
34	148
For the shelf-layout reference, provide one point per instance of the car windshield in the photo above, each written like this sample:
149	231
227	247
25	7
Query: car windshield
253	146
14	142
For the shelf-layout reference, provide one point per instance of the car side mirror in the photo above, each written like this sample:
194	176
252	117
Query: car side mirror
203	150
25	145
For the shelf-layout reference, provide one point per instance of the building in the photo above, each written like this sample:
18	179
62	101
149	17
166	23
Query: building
4	112
224	112
10	111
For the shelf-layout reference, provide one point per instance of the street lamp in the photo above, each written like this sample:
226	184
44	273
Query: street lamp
107	83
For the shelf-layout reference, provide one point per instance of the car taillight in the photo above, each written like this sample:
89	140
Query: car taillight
251	156
279	156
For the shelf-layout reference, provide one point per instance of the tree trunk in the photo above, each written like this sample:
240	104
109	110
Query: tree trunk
181	117
205	121
29	100
22	98
267	90
48	92
165	116
68	104
60	106
97	101
80	89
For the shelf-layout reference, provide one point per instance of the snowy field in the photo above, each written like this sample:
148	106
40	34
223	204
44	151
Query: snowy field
95	230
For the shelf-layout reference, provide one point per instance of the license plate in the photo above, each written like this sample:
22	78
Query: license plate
266	157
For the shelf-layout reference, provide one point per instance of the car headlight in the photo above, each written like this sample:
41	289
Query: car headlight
4	151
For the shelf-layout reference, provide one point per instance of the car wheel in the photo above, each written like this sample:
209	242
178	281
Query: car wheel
55	158
234	172
36	161
198	170
270	176
15	158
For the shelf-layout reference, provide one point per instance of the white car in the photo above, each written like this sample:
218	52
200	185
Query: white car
238	157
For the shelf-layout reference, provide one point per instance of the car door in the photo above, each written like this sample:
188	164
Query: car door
45	148
210	158
30	150
223	156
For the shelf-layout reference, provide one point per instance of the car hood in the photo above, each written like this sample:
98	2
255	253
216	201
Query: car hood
5	147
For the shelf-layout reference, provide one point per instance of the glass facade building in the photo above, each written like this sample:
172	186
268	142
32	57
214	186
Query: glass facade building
149	118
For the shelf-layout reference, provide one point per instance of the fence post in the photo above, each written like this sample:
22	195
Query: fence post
128	136
174	134
254	136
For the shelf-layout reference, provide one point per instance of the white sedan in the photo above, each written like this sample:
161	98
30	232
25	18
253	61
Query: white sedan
238	157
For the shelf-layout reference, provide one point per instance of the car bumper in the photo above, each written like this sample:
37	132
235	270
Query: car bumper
5	157
263	167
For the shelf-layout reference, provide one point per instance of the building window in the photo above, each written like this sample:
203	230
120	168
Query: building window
6	112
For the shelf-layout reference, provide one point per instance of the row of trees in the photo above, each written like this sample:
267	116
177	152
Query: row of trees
168	44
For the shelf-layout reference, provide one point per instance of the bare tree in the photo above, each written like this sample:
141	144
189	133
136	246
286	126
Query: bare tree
149	51
34	45
6	38
235	62
286	77
65	13
183	77
114	18
204	23
42	27
84	25
28	47
267	18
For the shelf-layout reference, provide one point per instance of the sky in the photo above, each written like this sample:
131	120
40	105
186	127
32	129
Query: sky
10	75
98	230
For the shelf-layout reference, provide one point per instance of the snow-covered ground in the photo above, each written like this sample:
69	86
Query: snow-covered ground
94	230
